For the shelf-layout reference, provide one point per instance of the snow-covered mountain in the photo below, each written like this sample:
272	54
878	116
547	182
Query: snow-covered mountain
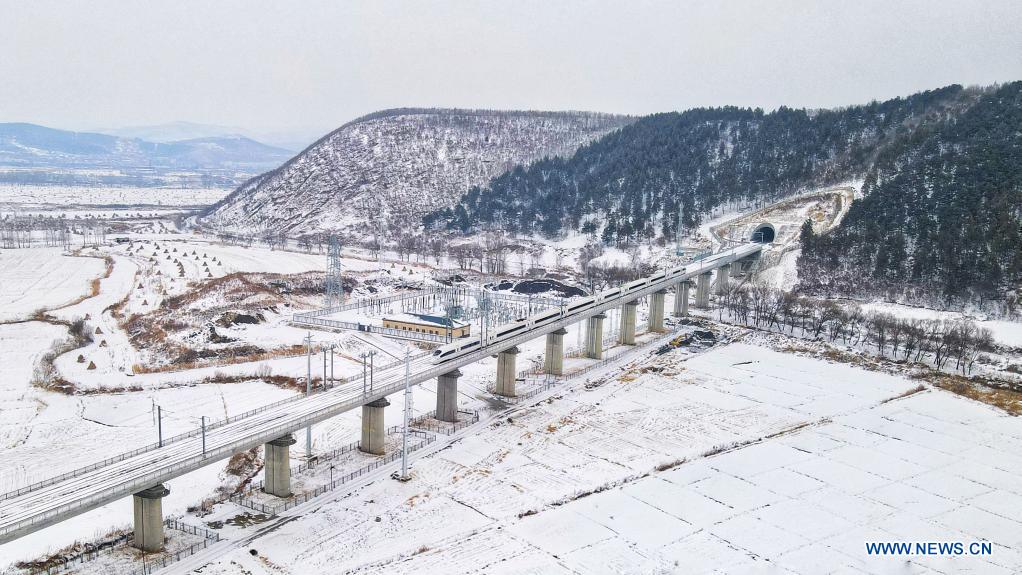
33	146
292	139
174	132
394	166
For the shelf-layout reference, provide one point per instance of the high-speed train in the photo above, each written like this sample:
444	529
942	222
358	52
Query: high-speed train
510	330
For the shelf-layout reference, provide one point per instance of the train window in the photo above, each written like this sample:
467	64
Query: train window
512	330
634	285
581	305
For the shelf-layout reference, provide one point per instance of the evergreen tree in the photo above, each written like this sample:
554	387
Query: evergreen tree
805	235
941	212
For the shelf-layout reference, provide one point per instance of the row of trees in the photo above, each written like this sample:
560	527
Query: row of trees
19	231
936	341
495	252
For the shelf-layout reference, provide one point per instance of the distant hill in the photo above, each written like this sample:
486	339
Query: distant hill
293	140
34	146
174	132
392	167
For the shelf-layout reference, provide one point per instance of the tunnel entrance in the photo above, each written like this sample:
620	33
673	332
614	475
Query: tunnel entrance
764	234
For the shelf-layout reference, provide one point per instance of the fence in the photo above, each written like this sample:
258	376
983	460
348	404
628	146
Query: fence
372	301
429	422
91	553
551	381
611	338
315	317
520	397
367	328
208	538
245	500
111	546
424	422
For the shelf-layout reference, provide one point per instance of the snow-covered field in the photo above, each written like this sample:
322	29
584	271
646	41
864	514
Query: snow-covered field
36	278
53	433
824	463
231	258
1005	332
31	195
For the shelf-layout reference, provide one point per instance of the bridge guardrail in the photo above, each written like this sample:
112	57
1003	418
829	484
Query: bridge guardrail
188	434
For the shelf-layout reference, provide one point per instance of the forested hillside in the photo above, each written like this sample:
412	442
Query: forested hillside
630	183
941	170
942	213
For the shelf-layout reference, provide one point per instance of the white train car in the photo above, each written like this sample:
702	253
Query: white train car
511	330
456	349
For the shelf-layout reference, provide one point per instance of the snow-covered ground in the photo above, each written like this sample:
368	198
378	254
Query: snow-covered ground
42	278
53	433
43	434
817	460
825	208
1005	332
32	195
814	460
782	275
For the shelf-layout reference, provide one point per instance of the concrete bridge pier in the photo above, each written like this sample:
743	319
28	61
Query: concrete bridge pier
447	396
627	333
553	361
149	518
374	431
277	466
594	336
723	272
681	299
656	311
703	290
506	372
736	268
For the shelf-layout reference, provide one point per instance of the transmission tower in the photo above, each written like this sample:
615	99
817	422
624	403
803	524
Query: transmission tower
679	232
334	287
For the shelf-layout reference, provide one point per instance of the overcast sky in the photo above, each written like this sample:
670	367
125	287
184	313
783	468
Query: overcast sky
282	66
